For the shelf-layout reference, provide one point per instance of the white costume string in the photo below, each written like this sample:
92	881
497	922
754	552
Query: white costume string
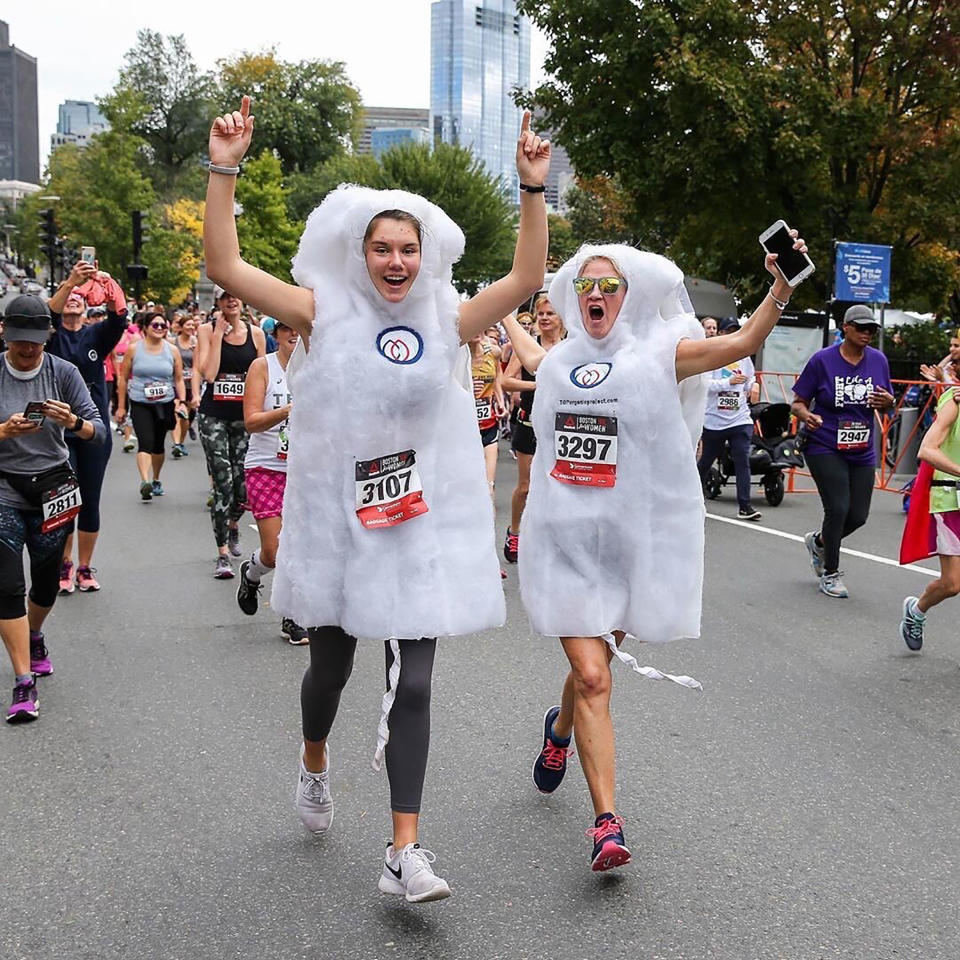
651	673
383	730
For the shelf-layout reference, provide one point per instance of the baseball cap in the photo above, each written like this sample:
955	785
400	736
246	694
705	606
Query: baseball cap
861	315
27	318
728	323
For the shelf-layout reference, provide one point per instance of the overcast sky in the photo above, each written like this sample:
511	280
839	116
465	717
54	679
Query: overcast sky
79	47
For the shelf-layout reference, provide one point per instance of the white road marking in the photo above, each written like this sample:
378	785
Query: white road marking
753	525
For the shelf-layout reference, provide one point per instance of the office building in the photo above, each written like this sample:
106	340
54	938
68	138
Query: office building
479	55
19	126
78	121
390	118
383	138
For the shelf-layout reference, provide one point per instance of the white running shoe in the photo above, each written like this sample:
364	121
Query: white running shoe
833	586
312	799
816	553
409	874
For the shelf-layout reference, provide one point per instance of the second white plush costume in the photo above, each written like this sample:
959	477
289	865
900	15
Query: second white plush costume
595	559
380	379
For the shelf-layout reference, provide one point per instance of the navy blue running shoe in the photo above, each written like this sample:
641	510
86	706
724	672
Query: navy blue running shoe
551	764
609	848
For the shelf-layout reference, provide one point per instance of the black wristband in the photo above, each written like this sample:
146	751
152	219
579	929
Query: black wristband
77	424
529	189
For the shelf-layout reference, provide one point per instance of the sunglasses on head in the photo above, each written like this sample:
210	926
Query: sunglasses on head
607	285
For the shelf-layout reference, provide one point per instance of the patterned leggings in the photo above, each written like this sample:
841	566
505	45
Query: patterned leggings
19	529
225	447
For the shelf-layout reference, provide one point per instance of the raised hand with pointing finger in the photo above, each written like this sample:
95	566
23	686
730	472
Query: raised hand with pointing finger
533	155
230	136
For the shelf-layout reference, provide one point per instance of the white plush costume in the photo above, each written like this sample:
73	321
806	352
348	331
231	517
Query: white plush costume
379	379
627	557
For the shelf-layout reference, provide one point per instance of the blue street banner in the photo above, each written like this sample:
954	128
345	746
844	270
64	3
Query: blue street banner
863	272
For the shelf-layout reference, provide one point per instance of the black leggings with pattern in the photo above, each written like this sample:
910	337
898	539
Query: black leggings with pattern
19	529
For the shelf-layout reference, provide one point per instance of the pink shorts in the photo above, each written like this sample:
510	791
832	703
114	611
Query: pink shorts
265	492
948	533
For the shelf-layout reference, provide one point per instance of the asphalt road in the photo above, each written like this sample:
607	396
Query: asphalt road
803	806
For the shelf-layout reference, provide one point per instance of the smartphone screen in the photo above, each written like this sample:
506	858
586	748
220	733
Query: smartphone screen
790	262
34	411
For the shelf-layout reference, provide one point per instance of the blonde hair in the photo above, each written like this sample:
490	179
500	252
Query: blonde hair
545	298
593	259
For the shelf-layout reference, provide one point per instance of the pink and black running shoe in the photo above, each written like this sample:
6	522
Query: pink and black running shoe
609	848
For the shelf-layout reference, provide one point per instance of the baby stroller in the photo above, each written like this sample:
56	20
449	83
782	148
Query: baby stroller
772	450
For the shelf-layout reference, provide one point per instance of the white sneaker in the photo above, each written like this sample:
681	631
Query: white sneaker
409	874
816	553
833	586
312	799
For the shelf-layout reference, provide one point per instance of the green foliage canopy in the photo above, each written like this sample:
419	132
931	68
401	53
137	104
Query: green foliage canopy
716	117
449	176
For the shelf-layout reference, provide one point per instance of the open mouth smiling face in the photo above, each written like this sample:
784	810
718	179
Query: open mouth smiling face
392	253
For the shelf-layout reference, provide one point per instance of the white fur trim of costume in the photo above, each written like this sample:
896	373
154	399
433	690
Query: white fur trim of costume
379	379
628	557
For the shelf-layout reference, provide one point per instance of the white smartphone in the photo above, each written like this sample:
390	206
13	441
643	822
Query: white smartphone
792	264
88	254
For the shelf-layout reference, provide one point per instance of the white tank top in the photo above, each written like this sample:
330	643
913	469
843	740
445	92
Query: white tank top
268	449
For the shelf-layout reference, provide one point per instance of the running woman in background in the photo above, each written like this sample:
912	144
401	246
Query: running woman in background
39	493
87	346
266	415
225	350
836	397
186	344
151	382
524	442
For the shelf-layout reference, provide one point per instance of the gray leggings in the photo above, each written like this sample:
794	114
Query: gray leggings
331	663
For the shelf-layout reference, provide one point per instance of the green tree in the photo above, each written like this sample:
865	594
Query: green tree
563	241
268	238
715	118
305	112
449	176
164	98
98	186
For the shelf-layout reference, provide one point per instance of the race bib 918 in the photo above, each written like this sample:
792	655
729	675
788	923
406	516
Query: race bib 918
586	450
388	490
157	391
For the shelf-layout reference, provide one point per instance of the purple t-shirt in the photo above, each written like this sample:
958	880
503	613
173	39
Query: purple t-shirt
838	392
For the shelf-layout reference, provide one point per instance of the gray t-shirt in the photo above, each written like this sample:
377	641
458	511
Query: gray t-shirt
33	453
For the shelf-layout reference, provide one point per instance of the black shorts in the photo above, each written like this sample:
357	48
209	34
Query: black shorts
524	440
490	435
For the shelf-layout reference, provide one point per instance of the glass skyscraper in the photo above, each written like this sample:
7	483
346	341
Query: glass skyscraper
479	52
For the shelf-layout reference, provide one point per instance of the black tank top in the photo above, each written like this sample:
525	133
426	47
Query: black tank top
525	408
223	398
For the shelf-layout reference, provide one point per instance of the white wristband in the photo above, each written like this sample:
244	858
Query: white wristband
781	304
227	171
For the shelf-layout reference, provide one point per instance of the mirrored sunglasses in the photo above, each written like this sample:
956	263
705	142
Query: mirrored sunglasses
607	285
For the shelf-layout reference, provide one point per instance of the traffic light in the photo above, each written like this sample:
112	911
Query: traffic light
141	232
48	230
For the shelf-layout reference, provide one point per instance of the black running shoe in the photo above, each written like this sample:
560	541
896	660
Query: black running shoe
293	632
551	764
511	546
248	592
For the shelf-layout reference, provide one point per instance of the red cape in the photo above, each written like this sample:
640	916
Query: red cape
919	539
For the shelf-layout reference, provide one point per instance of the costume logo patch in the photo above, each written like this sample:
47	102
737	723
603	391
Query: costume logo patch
400	345
590	374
